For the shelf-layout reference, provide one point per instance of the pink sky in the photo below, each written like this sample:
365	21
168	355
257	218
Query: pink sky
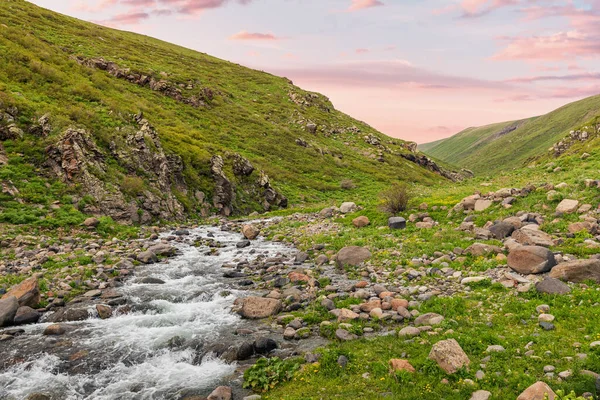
419	70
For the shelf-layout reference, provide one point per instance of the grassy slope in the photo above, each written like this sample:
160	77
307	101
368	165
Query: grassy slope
252	114
489	314
477	148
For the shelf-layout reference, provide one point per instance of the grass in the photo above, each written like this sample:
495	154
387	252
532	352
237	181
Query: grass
486	152
250	112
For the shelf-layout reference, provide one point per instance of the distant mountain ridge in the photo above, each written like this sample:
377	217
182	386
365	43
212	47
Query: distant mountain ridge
508	145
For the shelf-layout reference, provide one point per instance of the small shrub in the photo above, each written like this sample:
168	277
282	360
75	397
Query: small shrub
132	186
347	184
395	199
269	372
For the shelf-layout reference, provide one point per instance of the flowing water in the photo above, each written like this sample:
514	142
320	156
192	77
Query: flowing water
140	355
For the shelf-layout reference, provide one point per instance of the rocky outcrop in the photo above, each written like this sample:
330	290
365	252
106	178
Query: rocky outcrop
427	163
76	159
577	136
189	93
223	195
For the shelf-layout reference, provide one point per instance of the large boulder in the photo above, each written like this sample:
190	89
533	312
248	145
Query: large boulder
538	391
567	206
449	356
8	309
258	307
352	255
27	293
250	232
532	237
577	271
531	260
26	315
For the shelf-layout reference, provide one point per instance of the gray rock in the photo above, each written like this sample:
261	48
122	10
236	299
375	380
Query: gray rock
344	335
8	310
348	207
26	315
147	257
396	223
481	395
502	230
352	255
552	286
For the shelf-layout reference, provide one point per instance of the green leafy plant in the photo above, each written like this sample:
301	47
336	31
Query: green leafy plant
269	372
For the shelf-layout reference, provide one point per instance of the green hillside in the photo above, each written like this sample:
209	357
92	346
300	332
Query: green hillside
131	126
507	145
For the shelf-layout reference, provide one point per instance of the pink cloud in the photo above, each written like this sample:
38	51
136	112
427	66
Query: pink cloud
476	8
157	7
555	47
589	76
244	35
362	4
361	51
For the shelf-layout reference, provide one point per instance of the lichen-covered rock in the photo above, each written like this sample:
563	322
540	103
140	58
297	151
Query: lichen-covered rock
449	356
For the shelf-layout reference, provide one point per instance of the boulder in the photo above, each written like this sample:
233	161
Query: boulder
54	330
397	365
482	249
482	205
577	271
259	307
104	311
538	391
531	260
26	315
396	223
8	310
91	222
552	286
344	335
502	230
264	345
147	257
584	226
326	212
449	356
250	232
27	293
409	331
532	237
429	319
481	395
567	206
352	255
360	222
348	207
163	249
344	315
220	393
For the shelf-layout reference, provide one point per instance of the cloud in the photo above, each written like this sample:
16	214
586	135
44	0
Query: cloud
589	76
555	47
156	7
362	4
244	35
361	51
477	8
385	74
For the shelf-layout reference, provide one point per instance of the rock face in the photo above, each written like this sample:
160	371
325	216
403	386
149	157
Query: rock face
352	255
538	391
577	271
259	307
531	259
224	195
449	356
8	309
27	293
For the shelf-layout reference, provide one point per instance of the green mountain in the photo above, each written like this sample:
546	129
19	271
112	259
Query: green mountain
120	124
507	145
